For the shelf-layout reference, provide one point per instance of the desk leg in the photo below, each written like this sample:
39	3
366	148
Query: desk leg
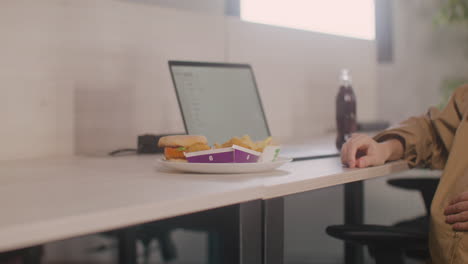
251	232
354	214
234	232
273	231
127	246
237	234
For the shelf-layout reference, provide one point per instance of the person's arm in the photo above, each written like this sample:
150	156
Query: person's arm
394	149
422	141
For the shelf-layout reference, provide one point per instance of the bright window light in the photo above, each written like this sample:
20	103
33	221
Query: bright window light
351	18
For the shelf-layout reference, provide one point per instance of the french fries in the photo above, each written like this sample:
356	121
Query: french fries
261	145
246	142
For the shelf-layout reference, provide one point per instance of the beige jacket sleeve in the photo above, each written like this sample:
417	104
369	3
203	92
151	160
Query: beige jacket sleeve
427	139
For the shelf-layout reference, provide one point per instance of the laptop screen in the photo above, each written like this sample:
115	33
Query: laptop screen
219	100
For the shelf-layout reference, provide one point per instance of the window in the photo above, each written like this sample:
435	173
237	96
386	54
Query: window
351	18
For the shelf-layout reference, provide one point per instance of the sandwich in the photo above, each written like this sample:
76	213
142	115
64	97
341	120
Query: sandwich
175	146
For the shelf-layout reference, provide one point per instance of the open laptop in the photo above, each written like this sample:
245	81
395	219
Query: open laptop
221	100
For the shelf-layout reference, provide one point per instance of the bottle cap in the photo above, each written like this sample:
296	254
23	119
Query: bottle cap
345	77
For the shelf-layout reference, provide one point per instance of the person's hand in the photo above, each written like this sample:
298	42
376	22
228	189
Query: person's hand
456	213
363	151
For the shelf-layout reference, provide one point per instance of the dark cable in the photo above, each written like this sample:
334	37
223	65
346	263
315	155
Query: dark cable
115	152
316	157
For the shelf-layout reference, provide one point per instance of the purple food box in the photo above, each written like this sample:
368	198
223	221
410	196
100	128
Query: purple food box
235	154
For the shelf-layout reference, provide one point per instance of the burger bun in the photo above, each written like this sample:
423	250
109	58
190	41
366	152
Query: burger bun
181	141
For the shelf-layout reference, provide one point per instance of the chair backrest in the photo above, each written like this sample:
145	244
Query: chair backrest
426	186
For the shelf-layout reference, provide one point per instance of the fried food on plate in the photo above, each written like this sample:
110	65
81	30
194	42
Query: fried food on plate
261	145
246	142
175	146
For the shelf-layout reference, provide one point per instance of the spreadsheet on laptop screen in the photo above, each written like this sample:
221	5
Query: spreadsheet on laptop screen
219	102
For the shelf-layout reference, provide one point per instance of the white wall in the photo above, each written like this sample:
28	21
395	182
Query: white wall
424	55
88	76
36	101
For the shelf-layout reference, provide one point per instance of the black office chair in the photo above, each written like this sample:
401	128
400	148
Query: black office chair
390	244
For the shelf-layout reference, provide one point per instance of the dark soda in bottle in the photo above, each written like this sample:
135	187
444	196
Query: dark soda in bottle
345	110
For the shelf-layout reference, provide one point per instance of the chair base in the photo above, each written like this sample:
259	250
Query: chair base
388	244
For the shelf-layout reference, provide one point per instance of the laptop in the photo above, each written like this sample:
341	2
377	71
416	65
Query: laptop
221	100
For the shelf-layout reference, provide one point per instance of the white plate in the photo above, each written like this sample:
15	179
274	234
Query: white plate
227	168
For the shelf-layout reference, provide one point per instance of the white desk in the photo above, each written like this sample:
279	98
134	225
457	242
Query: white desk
52	199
